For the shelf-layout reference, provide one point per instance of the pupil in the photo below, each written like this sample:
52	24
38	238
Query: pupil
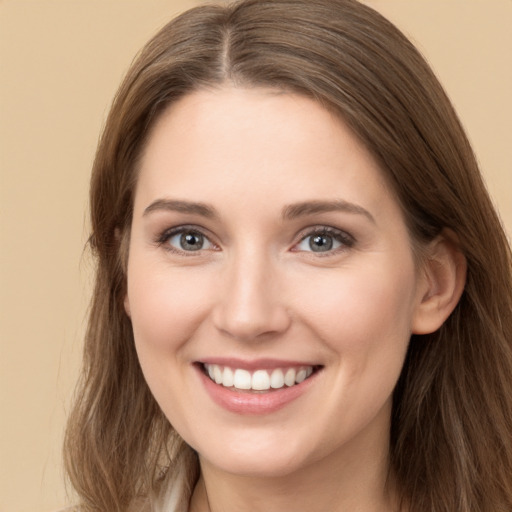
191	242
320	243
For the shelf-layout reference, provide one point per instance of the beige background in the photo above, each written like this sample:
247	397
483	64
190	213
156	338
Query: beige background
61	61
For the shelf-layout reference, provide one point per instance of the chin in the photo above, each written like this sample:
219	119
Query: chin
261	458
258	466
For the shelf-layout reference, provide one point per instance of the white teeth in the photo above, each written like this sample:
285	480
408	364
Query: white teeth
259	380
277	379
217	374
289	377
301	375
228	377
242	379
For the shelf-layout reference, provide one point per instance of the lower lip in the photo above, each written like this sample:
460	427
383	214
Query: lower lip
241	402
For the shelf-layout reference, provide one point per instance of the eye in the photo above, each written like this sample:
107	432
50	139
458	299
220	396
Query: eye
185	240
324	240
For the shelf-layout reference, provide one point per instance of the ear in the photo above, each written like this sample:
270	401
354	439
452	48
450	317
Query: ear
442	283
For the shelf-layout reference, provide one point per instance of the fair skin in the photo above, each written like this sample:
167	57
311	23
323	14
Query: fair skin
265	239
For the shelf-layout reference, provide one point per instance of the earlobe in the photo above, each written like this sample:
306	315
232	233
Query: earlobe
442	284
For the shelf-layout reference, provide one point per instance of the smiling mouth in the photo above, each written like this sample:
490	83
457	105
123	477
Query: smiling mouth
259	380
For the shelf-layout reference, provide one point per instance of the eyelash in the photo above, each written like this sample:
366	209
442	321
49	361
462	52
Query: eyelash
345	240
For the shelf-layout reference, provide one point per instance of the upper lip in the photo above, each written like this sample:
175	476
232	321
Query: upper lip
255	364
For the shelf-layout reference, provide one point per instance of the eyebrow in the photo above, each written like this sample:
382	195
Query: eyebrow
289	212
293	211
201	209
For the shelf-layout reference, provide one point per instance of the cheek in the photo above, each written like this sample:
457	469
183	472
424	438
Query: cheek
355	309
166	306
363	317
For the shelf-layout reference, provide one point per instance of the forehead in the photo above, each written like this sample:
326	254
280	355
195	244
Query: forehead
259	144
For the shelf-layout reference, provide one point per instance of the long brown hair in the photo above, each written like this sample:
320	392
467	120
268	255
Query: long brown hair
451	434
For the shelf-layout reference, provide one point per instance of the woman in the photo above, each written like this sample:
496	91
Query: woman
303	295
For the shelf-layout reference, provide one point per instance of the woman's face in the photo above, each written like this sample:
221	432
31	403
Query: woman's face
268	251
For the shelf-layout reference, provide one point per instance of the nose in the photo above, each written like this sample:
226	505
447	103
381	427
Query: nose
251	301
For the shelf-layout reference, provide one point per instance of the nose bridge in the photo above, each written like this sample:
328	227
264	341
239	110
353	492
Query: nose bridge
250	302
